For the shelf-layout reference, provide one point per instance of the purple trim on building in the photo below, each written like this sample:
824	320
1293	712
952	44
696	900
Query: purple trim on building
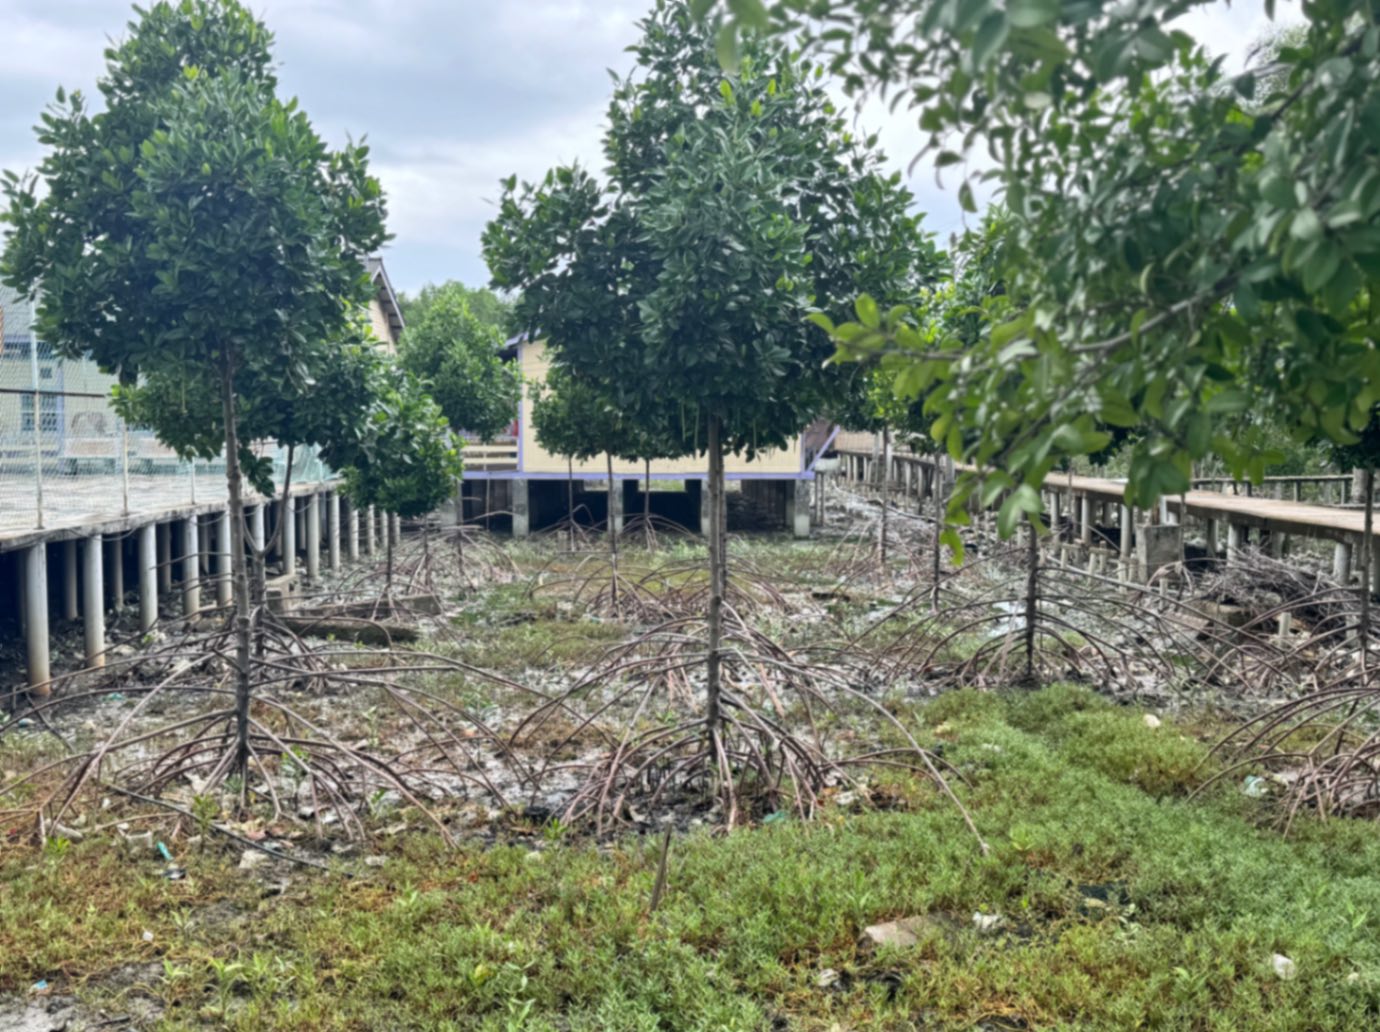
820	454
512	474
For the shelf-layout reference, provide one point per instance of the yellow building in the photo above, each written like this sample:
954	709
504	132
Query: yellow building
534	479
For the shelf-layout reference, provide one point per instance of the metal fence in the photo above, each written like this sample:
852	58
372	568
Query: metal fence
66	457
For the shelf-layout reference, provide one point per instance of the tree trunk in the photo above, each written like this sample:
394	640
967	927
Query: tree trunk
460	523
613	532
388	544
1367	559
713	718
239	574
647	505
939	493
570	496
1032	598
886	487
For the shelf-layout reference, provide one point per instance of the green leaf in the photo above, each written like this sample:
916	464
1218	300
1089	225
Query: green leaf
991	34
1031	14
752	13
866	308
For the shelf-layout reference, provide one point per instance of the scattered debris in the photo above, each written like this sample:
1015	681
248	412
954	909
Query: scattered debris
1284	968
1151	721
988	924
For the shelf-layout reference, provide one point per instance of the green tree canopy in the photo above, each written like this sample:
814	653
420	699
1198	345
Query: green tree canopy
1183	245
404	462
456	353
486	306
198	222
732	205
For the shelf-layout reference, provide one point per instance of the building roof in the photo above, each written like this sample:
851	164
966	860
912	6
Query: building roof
388	300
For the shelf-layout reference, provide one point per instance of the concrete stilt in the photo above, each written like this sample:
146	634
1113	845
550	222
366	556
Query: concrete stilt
314	536
36	618
191	567
333	511
371	528
224	585
1085	520
165	563
258	528
93	601
354	534
148	577
115	566
289	545
1212	539
1127	531
1374	567
395	527
522	522
1236	540
799	507
70	609
1341	562
205	537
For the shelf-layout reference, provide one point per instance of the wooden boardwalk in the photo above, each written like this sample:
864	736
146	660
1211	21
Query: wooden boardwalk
1269	516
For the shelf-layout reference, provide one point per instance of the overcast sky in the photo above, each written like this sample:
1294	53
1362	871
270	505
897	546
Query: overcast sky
452	94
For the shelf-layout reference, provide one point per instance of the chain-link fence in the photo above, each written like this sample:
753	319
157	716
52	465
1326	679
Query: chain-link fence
67	459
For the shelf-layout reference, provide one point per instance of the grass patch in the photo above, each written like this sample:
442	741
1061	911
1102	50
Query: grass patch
1125	905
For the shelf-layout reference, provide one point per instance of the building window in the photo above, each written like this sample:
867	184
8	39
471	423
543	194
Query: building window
50	413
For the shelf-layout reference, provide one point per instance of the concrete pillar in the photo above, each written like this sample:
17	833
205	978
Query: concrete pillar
224	585
206	538
1275	541
289	545
1341	562
1158	546
191	567
395	527
706	511
165	563
354	534
148	577
1085	520
1374	567
1127	531
115	566
798	507
314	536
1212	539
333	511
371	529
70	608
1236	540
522	521
258	528
93	601
35	562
